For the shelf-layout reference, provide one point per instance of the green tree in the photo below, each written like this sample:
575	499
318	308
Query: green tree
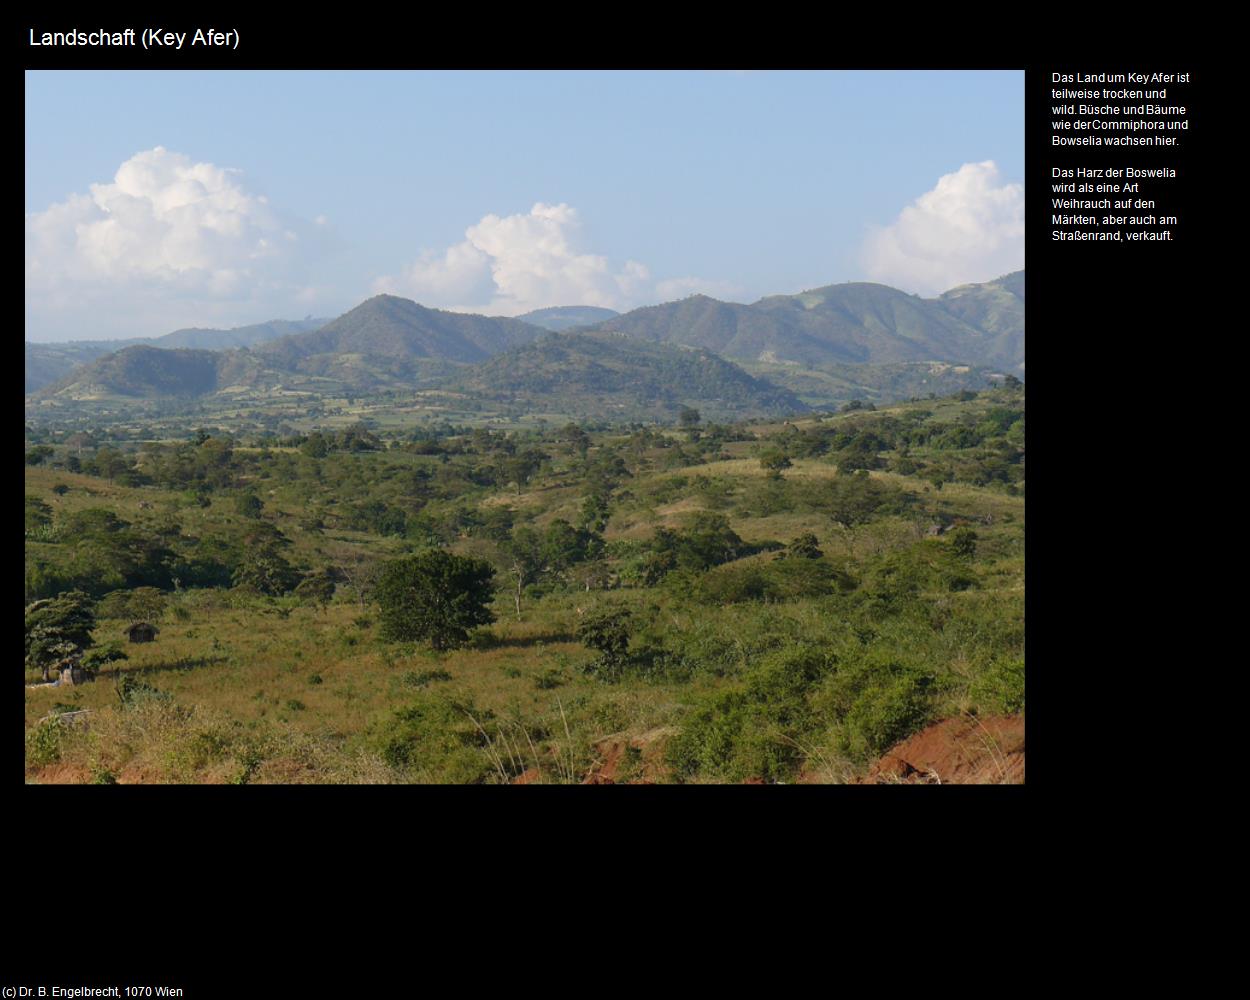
103	655
525	560
773	460
265	570
110	463
518	469
565	546
249	504
854	500
689	417
964	542
596	509
436	596
315	446
804	547
317	588
608	632
38	513
578	439
58	631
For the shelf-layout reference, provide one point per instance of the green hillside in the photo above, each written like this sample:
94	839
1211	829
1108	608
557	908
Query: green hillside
145	372
49	363
772	602
614	377
997	307
856	323
240	336
832	386
395	332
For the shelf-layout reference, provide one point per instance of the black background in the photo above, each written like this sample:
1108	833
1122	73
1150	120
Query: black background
1108	323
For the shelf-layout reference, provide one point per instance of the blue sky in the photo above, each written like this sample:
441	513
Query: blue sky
160	200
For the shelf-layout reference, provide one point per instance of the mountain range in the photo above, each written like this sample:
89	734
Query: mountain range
662	353
567	317
48	363
606	375
857	323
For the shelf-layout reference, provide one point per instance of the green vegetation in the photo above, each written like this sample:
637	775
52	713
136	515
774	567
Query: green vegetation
603	374
854	323
436	596
58	631
821	348
370	591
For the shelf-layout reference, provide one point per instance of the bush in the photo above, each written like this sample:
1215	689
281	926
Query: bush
875	705
137	604
95	659
804	547
964	542
754	730
550	678
608	632
437	736
784	580
265	571
133	692
43	743
1001	687
423	678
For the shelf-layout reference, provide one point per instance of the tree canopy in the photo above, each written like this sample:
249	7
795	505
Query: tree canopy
434	596
58	631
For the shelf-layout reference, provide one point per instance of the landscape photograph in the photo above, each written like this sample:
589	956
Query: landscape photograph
524	427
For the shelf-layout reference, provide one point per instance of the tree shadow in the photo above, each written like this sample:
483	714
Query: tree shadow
181	664
488	640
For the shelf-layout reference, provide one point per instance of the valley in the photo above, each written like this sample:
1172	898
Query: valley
697	543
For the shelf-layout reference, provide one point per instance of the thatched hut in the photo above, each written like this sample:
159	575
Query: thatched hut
142	632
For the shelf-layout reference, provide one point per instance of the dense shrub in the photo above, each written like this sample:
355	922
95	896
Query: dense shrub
875	704
437	739
755	729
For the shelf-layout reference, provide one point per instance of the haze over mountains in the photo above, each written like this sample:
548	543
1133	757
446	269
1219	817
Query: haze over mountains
594	374
567	317
857	323
46	363
658	352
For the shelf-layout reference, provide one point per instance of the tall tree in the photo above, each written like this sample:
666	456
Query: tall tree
58	631
436	596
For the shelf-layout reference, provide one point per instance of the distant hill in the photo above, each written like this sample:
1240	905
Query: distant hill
48	363
832	386
997	307
616	377
387	338
866	340
146	372
560	318
240	336
385	343
855	323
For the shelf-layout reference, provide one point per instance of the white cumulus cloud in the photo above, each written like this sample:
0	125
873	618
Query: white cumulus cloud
167	240
970	227
512	264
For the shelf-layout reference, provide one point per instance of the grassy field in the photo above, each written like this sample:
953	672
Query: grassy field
755	667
